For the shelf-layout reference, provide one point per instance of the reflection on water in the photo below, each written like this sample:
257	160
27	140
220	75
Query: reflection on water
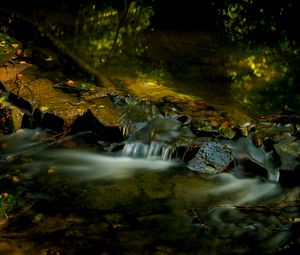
164	208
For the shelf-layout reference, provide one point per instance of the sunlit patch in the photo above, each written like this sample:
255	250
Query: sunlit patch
261	79
44	108
151	84
154	90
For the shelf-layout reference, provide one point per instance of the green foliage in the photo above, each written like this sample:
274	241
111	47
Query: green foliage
258	21
109	32
265	80
267	76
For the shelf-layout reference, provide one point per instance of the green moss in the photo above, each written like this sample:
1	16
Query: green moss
8	203
6	121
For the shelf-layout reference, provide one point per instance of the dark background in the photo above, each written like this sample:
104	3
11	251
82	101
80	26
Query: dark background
169	14
184	15
187	15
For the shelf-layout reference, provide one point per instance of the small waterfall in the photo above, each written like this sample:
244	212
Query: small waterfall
155	139
154	150
129	128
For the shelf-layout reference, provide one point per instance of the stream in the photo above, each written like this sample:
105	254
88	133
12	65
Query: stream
141	199
159	166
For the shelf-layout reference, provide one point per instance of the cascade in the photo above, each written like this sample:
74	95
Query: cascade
154	150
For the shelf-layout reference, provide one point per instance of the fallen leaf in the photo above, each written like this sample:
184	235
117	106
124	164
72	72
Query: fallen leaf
70	82
49	59
20	76
80	111
16	178
5	195
214	123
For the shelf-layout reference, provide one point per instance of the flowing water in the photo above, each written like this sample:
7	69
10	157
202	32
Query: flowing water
140	200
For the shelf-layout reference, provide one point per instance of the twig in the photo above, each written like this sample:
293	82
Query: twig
121	22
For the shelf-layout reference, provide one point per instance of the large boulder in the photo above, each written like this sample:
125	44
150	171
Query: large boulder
211	158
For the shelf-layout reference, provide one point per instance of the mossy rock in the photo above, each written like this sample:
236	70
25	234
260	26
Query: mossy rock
6	121
9	48
8	203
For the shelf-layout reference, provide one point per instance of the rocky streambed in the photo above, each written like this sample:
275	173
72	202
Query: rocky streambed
169	125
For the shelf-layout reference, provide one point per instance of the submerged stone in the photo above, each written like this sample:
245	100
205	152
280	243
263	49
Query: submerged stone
211	158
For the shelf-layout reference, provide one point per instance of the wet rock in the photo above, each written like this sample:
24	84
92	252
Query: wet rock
10	72
288	150
17	117
35	118
203	119
170	105
211	158
216	125
281	141
52	122
159	129
135	113
88	122
20	103
48	107
286	116
10	116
